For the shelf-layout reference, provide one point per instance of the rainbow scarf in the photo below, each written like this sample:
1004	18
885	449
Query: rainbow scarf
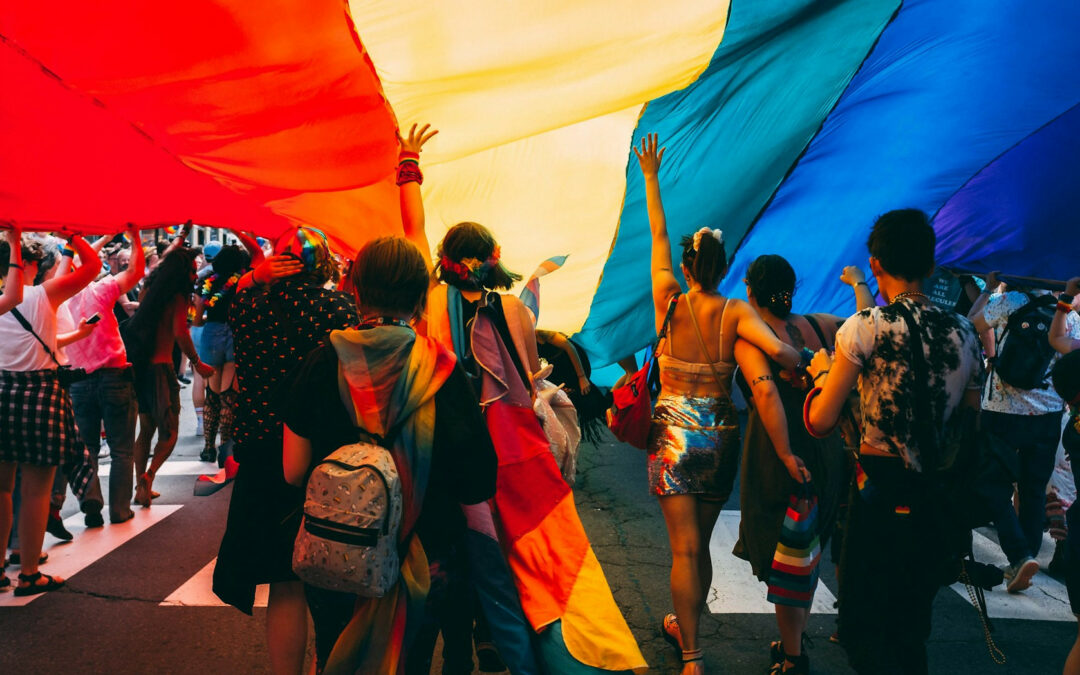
563	594
388	374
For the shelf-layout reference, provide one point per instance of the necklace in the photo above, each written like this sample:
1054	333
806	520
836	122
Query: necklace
372	322
909	294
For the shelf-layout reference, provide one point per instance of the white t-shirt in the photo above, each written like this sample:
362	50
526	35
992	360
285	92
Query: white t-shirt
1004	398
878	342
19	351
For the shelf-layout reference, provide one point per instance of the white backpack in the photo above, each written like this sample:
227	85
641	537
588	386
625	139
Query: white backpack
352	514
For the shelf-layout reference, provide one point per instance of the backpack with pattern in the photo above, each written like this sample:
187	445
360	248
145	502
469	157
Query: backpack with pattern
348	540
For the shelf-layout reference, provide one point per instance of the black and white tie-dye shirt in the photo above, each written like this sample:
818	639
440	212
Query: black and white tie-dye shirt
878	342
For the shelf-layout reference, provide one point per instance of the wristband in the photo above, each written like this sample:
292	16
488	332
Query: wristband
408	155
10	265
806	414
1063	306
68	252
862	283
1066	298
409	172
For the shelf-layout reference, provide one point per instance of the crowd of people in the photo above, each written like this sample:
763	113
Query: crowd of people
888	434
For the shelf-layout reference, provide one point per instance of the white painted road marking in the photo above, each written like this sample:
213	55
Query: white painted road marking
89	546
735	590
172	468
198	591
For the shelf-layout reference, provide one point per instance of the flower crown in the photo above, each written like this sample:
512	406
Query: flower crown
718	235
471	269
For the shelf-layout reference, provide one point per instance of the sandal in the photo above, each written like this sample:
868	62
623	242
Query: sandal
32	586
669	629
16	558
5	583
776	648
800	665
692	655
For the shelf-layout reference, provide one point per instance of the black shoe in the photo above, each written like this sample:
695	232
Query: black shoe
224	451
208	455
488	658
183	379
56	528
94	519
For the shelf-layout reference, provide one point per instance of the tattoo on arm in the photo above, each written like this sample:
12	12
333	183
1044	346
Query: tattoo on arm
761	378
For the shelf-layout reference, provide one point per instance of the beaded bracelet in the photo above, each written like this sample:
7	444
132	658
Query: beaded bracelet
1063	306
408	171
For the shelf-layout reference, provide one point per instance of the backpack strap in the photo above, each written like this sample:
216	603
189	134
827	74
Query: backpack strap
928	437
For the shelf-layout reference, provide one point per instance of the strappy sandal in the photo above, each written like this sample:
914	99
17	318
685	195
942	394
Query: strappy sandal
800	665
32	586
5	583
669	629
692	655
776	649
16	558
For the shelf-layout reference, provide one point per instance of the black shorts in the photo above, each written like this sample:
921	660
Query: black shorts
158	394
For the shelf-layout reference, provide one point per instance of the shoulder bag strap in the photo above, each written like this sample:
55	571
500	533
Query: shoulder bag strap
653	373
928	441
701	340
30	329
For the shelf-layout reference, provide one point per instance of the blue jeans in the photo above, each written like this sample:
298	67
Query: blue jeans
1035	440
108	395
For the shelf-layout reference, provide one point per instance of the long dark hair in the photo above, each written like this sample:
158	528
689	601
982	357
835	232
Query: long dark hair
172	277
772	281
469	258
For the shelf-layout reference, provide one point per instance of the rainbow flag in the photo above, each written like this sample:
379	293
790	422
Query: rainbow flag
530	295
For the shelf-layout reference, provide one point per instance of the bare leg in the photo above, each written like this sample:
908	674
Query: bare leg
792	623
1072	663
7	487
162	449
287	627
684	535
142	443
37	484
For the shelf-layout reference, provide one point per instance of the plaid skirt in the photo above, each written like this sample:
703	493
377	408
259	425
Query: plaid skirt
37	426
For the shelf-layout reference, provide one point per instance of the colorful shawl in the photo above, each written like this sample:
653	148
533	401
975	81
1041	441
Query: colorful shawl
388	374
562	590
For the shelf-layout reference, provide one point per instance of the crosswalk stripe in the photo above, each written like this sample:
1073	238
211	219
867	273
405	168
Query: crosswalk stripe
69	558
1046	600
734	588
198	591
178	467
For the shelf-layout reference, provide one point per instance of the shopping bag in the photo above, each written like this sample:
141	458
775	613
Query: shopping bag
794	574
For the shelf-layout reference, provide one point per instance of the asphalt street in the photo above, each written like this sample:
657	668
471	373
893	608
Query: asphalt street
138	598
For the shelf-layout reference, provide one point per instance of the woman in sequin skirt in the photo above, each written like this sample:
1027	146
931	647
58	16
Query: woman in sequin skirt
694	440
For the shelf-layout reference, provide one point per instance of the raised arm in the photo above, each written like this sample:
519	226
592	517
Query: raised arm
180	240
1059	340
664	282
409	179
252	247
135	271
751	328
13	280
854	277
59	289
977	314
755	368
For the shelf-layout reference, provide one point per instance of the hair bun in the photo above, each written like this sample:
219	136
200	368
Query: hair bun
718	235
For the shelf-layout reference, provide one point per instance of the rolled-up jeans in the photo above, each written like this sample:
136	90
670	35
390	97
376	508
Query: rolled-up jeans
108	396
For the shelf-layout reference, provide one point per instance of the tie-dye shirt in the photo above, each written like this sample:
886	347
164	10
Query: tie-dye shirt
878	342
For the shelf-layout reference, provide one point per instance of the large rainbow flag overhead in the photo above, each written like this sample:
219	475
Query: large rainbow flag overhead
790	124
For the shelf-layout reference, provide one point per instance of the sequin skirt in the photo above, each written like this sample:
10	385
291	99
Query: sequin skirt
693	446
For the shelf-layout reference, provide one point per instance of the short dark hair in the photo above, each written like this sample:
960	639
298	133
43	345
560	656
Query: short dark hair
772	281
903	242
470	240
708	264
389	274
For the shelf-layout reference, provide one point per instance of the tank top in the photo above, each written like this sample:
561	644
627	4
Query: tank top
19	351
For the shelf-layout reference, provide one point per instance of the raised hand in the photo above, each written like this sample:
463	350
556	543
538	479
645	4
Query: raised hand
276	267
14	235
852	275
992	282
1072	286
648	156
417	138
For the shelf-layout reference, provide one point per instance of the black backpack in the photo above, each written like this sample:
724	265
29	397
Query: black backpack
1024	359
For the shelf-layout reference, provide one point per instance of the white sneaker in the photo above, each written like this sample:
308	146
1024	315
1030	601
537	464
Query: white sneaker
199	426
1020	574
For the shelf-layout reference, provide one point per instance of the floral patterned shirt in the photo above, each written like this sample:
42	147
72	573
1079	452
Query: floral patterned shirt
878	342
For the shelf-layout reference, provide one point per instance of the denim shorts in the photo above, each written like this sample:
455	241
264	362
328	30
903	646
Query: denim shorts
215	344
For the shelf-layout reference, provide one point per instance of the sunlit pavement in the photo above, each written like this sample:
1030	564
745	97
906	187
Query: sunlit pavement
139	601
